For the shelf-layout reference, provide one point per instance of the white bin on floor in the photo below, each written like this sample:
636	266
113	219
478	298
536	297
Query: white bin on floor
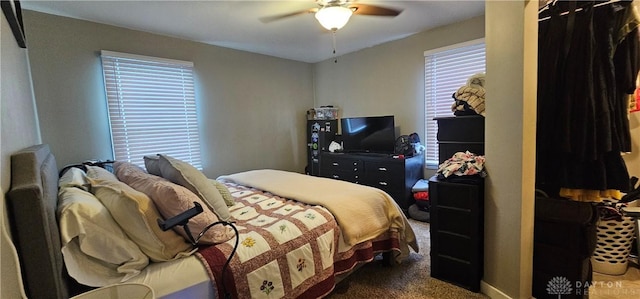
614	241
120	291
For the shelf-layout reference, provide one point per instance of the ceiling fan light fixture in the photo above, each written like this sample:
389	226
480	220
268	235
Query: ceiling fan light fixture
333	17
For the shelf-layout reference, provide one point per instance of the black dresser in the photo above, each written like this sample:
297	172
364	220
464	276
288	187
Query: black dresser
457	207
459	134
457	231
396	176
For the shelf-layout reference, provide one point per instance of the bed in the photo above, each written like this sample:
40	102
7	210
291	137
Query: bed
295	233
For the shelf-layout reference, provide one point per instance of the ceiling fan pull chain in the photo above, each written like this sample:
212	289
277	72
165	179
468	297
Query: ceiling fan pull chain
333	35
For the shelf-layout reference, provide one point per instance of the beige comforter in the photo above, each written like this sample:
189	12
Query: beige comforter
362	212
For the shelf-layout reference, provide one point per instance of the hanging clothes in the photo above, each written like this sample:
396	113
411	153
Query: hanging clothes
586	57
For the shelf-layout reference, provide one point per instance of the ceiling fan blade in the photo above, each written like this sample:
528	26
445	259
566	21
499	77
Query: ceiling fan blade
374	10
287	15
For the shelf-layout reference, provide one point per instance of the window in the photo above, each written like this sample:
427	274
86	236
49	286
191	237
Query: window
152	107
446	70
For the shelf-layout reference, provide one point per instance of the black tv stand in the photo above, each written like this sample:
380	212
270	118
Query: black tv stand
388	172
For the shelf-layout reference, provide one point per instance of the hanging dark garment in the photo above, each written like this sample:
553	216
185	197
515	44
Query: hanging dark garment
581	124
626	60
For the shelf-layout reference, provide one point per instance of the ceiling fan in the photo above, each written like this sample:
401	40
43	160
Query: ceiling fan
334	14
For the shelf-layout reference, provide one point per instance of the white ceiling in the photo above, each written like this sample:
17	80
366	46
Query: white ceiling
236	24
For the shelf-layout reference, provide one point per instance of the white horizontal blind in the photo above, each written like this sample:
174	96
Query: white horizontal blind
446	70
152	107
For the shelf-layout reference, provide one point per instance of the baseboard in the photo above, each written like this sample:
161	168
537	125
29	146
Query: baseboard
492	292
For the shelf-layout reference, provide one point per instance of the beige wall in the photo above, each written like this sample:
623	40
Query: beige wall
510	145
19	130
633	159
252	107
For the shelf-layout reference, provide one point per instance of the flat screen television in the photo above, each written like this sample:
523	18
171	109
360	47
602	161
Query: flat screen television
371	134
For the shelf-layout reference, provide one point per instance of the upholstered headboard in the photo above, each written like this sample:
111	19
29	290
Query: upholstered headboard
31	203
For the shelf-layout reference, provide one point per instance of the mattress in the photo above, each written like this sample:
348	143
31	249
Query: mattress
193	282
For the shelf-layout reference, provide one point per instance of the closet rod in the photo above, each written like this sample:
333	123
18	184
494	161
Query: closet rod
576	10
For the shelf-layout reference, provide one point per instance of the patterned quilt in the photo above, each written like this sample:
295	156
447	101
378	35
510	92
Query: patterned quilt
286	249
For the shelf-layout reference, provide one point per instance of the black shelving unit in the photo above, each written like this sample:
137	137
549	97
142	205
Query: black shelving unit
320	133
457	232
457	207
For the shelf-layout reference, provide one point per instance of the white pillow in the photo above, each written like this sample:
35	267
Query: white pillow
184	174
137	215
95	249
74	177
96	172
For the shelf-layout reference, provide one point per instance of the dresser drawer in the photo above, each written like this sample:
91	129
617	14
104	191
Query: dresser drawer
461	128
461	196
349	176
453	220
455	271
384	175
454	245
331	164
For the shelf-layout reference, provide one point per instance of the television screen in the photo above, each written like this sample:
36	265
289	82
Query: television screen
374	134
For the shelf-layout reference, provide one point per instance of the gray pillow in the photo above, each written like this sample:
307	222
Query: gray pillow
152	164
184	174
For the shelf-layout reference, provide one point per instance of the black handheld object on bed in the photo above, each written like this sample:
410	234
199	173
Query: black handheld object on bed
107	164
180	219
